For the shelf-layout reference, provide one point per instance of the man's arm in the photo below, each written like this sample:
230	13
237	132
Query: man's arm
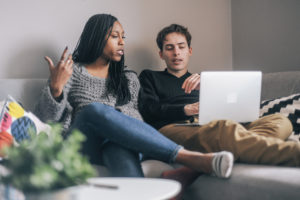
150	105
191	109
190	84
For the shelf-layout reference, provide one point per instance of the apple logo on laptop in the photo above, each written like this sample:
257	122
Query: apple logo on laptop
232	98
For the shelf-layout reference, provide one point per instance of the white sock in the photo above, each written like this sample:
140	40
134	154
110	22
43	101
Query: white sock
222	164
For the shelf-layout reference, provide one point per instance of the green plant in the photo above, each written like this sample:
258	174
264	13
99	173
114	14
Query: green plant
47	162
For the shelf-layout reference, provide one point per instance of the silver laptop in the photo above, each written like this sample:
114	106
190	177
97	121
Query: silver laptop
233	95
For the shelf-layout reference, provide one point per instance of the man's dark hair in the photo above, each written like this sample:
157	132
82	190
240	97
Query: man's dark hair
173	28
90	47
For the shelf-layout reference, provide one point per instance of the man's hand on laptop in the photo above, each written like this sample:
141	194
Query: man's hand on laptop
191	109
191	83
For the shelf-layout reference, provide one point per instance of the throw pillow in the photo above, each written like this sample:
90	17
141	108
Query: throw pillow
6	139
288	106
15	120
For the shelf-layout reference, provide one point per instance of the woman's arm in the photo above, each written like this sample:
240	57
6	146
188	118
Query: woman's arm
53	99
49	108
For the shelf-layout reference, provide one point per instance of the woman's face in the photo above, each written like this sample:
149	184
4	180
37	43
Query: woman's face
114	48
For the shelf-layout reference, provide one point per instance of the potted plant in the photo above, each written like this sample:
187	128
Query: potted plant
46	163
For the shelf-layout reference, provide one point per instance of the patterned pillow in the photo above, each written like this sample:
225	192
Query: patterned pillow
16	121
288	106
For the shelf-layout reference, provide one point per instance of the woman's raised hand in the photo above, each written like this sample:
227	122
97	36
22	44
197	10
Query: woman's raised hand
61	73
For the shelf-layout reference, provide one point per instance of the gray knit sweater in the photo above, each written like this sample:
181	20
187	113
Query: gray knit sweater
81	90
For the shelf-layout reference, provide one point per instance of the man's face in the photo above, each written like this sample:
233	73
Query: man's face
176	53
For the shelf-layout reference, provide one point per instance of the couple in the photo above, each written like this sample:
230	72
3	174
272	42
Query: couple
91	90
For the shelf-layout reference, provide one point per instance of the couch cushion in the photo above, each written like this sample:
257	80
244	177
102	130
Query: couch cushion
25	91
249	182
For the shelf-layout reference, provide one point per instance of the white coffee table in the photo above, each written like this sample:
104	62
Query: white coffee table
116	189
110	189
133	189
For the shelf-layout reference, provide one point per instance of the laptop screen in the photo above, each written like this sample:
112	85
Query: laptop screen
233	95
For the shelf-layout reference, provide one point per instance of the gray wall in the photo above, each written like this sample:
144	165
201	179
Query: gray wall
31	29
265	32
266	35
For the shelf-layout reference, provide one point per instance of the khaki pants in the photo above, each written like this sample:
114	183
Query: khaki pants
259	142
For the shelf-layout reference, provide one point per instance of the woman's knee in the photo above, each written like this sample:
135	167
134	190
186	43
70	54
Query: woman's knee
93	107
96	110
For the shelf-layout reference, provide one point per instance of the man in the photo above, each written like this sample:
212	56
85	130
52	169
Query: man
172	95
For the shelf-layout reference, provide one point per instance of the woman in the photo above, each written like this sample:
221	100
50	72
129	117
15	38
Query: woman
98	96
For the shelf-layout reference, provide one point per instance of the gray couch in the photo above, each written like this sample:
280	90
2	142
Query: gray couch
256	181
247	181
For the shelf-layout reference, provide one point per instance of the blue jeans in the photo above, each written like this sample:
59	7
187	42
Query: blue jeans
112	135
